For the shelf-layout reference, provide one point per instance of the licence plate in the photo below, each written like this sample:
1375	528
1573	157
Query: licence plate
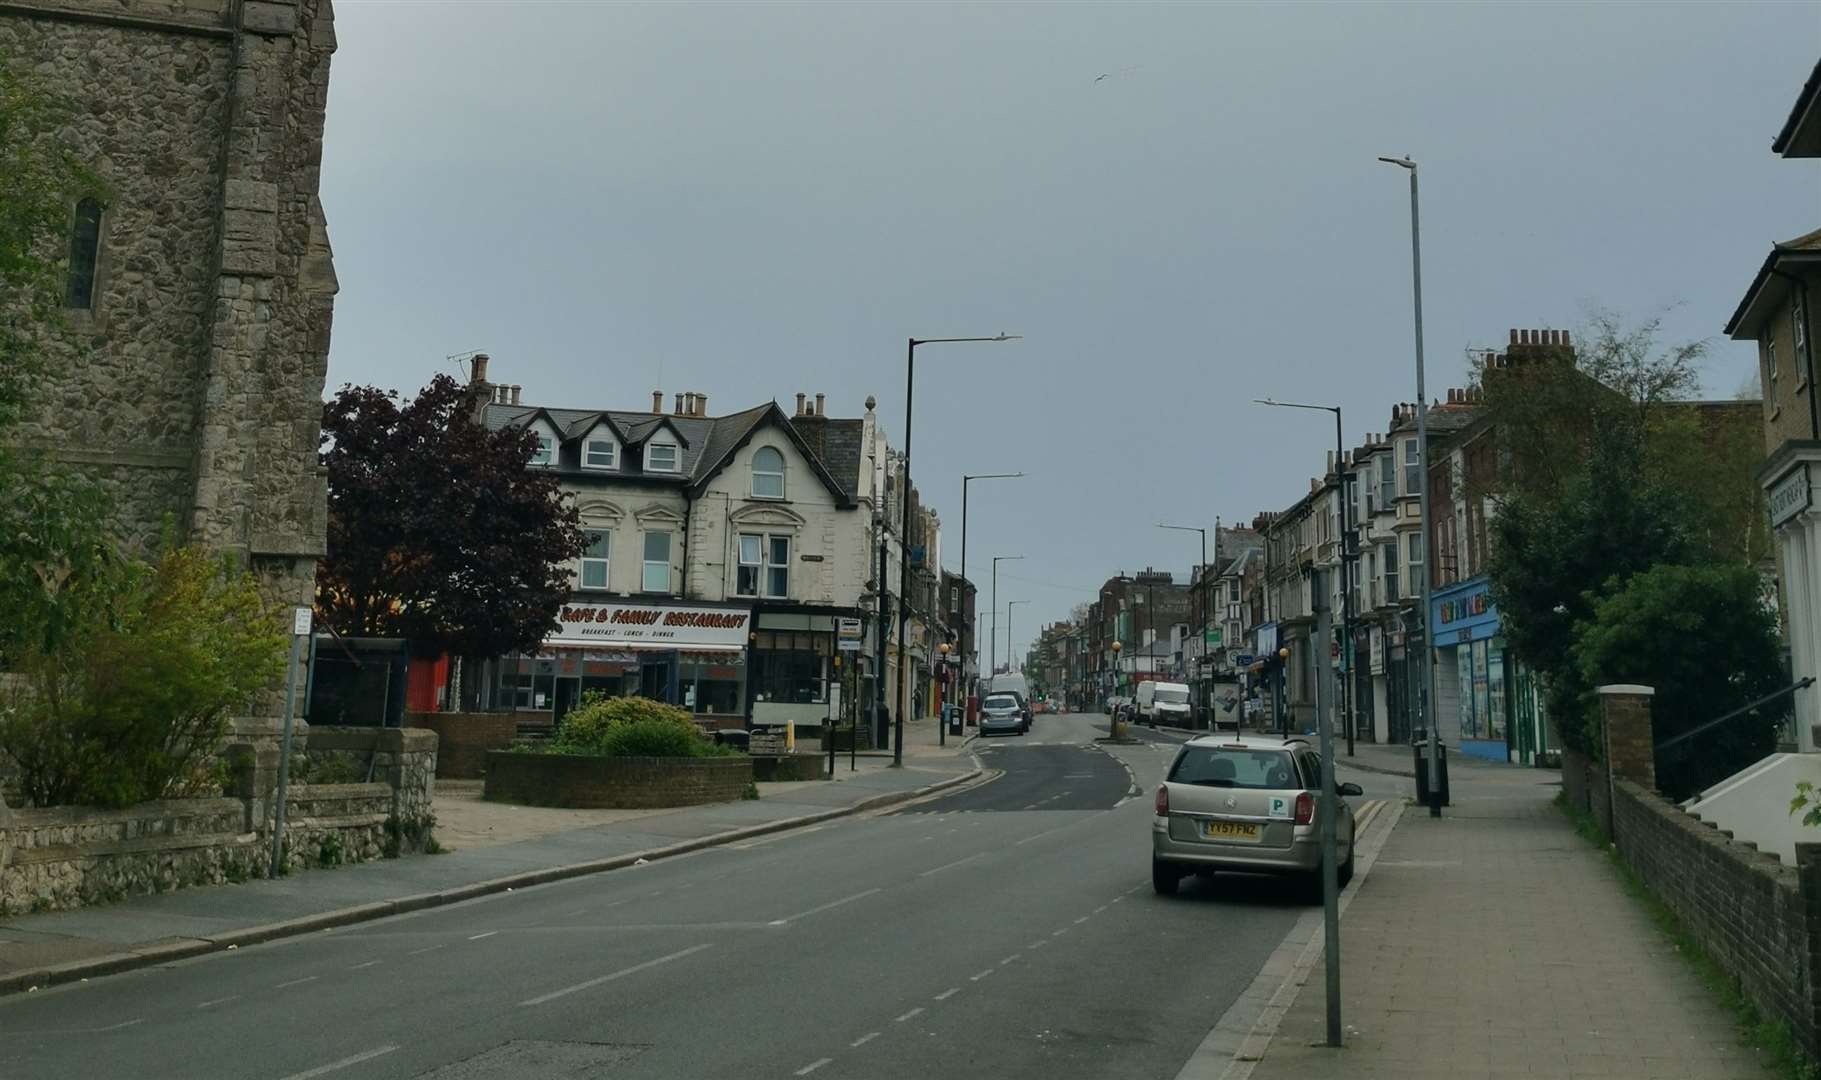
1230	830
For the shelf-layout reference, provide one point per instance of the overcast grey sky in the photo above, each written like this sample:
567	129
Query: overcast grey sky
751	200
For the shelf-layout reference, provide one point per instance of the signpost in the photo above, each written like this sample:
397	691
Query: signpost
300	630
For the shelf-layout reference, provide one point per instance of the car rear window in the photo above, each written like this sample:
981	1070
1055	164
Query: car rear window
1173	697
1231	767
1002	701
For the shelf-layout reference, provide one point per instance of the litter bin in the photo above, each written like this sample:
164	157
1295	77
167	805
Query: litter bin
1420	750
734	737
955	718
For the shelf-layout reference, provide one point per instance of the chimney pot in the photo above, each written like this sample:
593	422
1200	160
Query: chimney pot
478	374
819	398
800	398
701	404
515	389
657	401
1565	340
679	408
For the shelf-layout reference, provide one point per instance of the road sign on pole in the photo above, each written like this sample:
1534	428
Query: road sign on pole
300	629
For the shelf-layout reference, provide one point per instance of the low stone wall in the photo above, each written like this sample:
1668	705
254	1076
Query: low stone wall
464	739
773	768
403	759
618	783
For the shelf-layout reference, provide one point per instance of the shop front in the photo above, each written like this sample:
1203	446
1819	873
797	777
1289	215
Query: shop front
1486	702
691	655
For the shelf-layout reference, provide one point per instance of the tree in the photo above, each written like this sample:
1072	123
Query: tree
1703	638
439	533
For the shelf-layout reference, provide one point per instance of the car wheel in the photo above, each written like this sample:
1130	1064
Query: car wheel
1164	877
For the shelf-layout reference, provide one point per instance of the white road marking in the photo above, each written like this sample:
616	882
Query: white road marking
864	1039
982	975
355	1059
216	1001
949	993
951	866
620	974
1038	944
1059	933
477	937
1040	835
368	964
1100	909
818	910
579	911
813	1066
1033	806
908	1015
1009	959
1117	899
425	949
295	982
1081	920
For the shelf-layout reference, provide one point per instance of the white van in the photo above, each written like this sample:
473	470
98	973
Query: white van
1165	701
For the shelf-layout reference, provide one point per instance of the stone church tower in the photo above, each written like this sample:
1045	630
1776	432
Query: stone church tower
201	289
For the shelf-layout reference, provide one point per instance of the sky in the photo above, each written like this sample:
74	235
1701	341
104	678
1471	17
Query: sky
755	200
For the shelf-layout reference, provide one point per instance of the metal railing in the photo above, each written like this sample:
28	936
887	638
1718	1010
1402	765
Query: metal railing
1676	740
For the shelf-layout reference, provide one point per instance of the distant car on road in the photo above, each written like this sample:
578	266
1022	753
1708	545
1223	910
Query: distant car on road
1244	803
1002	714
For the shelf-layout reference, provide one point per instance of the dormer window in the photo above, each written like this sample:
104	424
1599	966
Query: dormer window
546	449
600	454
661	457
767	474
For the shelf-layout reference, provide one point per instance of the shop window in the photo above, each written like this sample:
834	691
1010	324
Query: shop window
767	474
525	683
594	559
1495	688
85	255
713	686
656	577
787	667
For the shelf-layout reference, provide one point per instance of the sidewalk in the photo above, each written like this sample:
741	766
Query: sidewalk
492	847
1495	942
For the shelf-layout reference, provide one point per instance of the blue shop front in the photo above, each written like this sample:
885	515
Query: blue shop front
1487	704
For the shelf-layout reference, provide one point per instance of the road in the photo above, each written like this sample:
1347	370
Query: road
1008	929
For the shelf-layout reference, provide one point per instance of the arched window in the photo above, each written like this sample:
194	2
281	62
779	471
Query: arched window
767	474
85	249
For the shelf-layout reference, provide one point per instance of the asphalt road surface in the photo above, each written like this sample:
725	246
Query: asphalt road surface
1005	930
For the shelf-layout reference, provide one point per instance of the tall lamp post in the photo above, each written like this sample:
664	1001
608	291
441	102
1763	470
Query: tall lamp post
904	501
1206	703
1422	457
1347	556
966	692
992	644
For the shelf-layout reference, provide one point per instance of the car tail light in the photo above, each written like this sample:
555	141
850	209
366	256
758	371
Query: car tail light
1305	808
1163	800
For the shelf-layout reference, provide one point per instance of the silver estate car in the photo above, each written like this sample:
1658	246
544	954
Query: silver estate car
1244	803
1001	713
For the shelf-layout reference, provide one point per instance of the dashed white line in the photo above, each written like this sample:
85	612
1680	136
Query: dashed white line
824	907
951	866
425	949
908	1015
864	1039
1100	909
295	982
620	974
1040	835
982	975
368	964
1081	920
949	993
1040	943
1117	899
1059	933
477	937
216	1001
1032	806
813	1066
1009	959
354	1059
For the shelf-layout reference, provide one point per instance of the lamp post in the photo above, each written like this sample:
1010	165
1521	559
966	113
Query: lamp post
941	697
1283	717
1422	457
992	651
966	691
1113	721
1205	696
904	501
1347	555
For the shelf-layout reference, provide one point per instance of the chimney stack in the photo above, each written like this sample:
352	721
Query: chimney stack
515	389
478	375
657	401
701	404
819	404
679	408
800	398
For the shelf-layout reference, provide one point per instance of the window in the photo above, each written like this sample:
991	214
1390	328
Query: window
546	449
600	454
752	550
1798	319
777	567
1389	561
594	559
767	474
1770	366
661	457
1416	564
1413	469
1387	482
657	562
788	666
1374	590
1219	766
764	560
85	252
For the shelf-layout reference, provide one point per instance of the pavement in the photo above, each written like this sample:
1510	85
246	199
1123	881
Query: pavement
1493	942
492	847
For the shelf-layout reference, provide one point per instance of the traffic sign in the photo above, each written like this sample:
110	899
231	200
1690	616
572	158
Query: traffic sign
1245	659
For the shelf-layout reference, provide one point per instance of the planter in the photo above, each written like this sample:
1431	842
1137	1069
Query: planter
584	782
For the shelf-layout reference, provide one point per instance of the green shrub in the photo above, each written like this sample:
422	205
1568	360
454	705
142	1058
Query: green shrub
630	727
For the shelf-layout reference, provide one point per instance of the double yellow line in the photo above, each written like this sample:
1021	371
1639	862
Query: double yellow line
1367	814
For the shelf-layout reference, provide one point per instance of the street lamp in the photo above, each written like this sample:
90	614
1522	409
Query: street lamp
965	481
1347	555
1283	718
1422	457
992	649
904	501
1113	720
942	704
1205	695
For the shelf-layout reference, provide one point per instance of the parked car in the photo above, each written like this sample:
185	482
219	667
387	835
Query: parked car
1245	803
1002	714
1163	701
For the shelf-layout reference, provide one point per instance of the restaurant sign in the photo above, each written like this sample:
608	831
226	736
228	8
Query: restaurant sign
652	626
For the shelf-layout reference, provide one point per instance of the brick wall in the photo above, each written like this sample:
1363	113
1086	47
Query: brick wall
465	738
621	783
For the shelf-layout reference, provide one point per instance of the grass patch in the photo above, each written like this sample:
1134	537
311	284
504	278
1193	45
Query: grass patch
1776	1044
